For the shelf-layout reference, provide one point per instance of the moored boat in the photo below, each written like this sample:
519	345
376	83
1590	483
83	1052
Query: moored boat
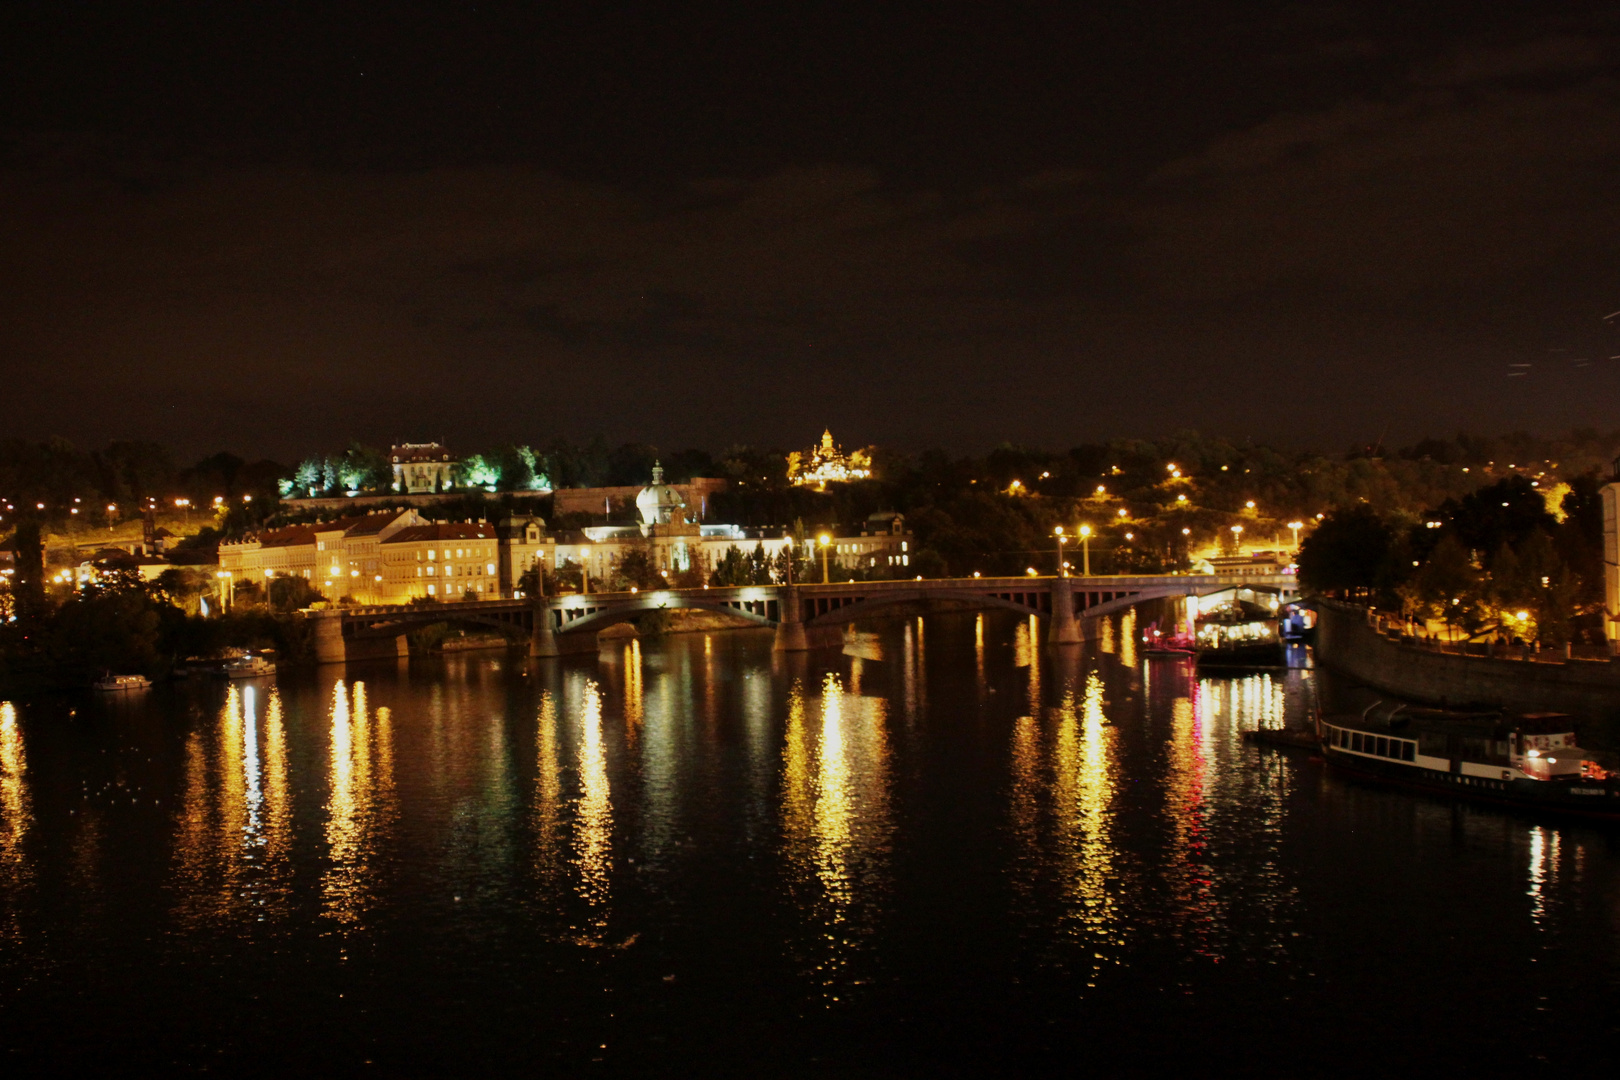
1530	761
249	667
112	682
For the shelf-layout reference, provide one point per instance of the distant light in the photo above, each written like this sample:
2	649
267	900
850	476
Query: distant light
975	573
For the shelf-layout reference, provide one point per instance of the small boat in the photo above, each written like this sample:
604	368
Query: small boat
1529	760
112	682
1158	645
249	667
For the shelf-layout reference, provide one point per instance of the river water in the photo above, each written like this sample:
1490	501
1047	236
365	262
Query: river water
942	851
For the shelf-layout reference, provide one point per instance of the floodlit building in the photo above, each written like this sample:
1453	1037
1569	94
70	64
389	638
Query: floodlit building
422	468
400	556
828	464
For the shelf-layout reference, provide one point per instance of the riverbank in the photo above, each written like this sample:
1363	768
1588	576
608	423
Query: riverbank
1348	643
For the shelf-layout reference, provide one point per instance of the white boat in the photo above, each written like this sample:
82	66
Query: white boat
122	682
249	667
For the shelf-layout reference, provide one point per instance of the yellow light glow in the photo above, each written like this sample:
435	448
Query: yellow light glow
1085	530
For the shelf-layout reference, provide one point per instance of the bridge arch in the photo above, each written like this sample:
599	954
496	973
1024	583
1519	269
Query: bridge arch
872	606
623	610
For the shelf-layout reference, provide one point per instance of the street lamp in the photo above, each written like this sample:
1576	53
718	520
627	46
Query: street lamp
1237	538
826	541
1085	550
1063	567
1296	526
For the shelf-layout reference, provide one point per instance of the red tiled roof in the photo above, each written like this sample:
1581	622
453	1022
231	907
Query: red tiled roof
291	536
442	531
372	524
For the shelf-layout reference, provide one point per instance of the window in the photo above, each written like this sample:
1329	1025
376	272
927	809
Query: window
430	571
1383	747
490	569
433	554
1408	751
430	590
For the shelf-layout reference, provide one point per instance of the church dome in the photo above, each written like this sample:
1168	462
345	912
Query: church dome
659	503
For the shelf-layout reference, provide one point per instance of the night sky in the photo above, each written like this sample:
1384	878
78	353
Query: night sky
273	227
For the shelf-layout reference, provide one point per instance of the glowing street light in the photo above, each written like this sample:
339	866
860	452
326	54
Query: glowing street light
1296	526
1085	549
1063	567
826	542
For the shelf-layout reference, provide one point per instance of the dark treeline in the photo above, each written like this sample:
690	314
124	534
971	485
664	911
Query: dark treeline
1512	560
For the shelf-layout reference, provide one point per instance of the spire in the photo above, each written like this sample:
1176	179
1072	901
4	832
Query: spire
658	474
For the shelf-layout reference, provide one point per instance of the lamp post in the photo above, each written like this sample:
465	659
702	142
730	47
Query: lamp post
269	575
788	547
1237	538
1063	567
1296	526
826	542
1085	549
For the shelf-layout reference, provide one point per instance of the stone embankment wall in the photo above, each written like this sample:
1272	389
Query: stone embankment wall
1349	645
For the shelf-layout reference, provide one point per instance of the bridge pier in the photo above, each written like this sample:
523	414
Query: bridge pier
330	648
1064	628
542	638
790	627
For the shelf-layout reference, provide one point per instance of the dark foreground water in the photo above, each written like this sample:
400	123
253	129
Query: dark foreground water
951	855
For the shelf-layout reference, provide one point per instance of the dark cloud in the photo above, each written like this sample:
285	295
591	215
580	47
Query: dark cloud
1312	273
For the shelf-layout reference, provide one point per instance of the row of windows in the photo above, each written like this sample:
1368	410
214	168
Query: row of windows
461	553
466	571
1377	745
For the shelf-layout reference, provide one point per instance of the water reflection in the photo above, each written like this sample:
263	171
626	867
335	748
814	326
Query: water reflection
593	837
835	821
547	813
359	804
1191	887
15	812
1544	858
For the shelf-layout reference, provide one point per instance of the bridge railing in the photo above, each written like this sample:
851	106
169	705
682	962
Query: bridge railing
1190	583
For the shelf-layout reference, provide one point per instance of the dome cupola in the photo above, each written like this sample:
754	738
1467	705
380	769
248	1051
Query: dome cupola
659	503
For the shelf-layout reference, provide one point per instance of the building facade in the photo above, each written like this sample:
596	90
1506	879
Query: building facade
400	556
422	468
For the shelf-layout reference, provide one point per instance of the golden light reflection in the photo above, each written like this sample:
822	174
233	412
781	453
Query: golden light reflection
1127	638
1105	634
1027	791
835	818
1083	794
359	804
277	807
634	706
978	653
593	837
1544	858
547	789
16	814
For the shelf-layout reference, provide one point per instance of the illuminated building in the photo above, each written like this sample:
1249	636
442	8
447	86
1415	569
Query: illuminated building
422	468
828	464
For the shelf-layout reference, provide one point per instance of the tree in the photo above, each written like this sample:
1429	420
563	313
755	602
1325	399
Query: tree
1347	553
635	569
292	592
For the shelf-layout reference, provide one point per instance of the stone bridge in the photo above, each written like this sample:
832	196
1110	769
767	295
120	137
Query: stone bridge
366	632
